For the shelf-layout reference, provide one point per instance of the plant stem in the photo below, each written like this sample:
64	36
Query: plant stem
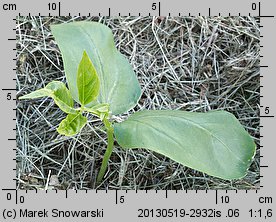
110	143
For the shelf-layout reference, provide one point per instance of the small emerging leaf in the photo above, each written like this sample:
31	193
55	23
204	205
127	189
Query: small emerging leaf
37	94
214	143
87	81
98	109
57	91
72	124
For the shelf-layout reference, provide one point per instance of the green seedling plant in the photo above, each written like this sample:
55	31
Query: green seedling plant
103	83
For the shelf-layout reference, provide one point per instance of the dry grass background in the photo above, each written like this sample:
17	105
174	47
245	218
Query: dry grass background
189	63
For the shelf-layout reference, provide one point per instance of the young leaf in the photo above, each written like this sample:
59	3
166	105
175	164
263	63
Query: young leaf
100	110
97	109
119	86
87	81
72	124
57	91
37	94
61	96
214	142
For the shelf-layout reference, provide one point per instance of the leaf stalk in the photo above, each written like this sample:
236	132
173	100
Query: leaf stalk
108	152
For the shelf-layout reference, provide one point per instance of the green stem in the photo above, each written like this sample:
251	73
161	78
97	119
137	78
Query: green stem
110	143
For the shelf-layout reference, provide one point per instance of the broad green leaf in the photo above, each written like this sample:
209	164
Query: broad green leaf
72	124
119	86
214	143
57	91
87	81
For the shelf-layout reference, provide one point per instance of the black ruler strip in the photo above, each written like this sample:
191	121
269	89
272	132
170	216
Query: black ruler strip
59	8
159	8
116	197
15	196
